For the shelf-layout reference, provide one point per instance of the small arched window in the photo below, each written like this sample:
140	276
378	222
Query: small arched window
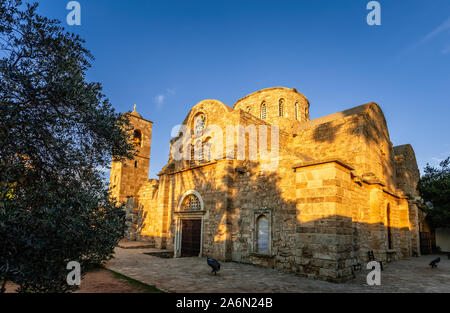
137	138
296	111
249	109
281	107
191	203
263	111
262	241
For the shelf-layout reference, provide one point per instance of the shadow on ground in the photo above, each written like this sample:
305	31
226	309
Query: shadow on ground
192	275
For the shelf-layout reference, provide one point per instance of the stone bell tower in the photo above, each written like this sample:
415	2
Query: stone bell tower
128	176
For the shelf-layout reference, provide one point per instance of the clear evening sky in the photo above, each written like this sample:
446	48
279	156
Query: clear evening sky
166	56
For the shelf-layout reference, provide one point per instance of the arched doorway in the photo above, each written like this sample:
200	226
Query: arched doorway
189	225
191	230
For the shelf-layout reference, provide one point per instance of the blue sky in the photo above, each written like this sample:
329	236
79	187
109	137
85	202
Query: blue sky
166	56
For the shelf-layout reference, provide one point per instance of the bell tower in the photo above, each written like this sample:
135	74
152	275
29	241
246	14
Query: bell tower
128	176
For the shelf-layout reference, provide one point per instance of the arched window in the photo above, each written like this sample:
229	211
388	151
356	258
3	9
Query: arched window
281	107
207	149
197	155
249	109
296	111
137	138
263	111
262	241
200	154
192	159
199	124
191	203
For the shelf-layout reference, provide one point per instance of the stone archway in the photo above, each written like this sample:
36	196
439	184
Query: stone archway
189	225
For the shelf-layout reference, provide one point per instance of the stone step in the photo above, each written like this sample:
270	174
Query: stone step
126	244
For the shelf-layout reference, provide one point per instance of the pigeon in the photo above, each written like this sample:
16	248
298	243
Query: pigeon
214	265
434	263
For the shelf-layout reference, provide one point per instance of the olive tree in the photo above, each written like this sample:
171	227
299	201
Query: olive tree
57	132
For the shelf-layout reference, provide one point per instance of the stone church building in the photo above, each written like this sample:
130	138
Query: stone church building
339	190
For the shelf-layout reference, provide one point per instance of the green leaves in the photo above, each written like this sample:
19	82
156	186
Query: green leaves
56	131
434	187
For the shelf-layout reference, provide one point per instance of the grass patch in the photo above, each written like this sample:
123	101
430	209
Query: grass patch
136	283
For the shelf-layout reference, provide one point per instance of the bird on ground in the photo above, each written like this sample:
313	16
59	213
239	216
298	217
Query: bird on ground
214	265
434	263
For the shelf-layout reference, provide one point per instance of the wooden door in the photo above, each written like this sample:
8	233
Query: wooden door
190	237
425	243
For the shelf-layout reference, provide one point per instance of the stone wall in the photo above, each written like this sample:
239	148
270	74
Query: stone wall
324	234
128	176
407	176
357	136
148	220
407	172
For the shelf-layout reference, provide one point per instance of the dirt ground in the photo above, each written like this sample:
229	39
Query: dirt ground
104	281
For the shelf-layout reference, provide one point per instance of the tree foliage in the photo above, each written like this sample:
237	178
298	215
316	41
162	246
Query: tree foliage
434	187
57	131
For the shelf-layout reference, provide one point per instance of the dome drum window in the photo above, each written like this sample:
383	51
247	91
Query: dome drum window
263	111
281	107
